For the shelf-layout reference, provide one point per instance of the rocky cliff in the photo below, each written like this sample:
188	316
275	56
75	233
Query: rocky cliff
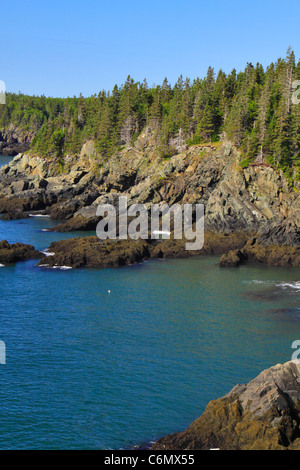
14	140
261	415
253	199
11	253
91	252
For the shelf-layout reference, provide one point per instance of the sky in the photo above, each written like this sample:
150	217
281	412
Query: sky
67	47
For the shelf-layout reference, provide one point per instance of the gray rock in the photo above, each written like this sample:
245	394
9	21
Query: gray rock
261	415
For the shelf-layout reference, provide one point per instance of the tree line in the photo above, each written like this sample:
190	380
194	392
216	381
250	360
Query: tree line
253	108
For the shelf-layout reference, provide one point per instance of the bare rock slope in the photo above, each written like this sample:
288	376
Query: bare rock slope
257	200
263	415
234	198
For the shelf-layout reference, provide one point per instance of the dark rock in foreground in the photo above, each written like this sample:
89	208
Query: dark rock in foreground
277	245
284	233
92	252
272	255
11	253
261	415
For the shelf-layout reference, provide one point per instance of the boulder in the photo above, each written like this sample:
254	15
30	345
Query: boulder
92	252
11	253
261	415
272	255
19	186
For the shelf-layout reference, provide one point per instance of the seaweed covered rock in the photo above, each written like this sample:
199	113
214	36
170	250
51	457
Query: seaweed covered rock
90	251
272	255
261	415
214	244
11	253
95	253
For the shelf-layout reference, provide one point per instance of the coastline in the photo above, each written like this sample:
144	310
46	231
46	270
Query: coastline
261	415
269	242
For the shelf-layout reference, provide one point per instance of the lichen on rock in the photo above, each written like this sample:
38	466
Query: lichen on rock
261	415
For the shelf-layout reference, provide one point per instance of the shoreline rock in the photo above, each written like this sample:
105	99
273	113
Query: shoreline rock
94	253
258	199
234	198
261	415
89	251
14	140
276	245
11	253
271	255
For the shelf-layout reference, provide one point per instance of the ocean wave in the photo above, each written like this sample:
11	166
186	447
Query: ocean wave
289	285
39	215
61	267
64	268
255	281
48	253
2	265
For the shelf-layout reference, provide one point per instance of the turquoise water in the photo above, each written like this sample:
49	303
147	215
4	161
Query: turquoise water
4	159
91	370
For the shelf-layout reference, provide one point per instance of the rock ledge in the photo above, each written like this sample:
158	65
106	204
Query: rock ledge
261	415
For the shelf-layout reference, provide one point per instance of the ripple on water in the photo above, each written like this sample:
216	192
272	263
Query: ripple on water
90	370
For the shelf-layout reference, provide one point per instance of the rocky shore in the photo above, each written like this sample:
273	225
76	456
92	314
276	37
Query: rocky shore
11	253
13	140
251	215
277	245
261	415
91	252
257	201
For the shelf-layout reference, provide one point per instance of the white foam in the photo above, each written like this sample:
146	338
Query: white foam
64	268
2	265
61	267
255	281
290	285
45	230
283	284
48	253
39	215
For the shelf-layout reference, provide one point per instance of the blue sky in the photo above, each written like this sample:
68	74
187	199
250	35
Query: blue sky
62	48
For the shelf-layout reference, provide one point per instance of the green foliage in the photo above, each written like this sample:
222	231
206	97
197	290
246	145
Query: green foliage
253	108
57	142
196	140
245	162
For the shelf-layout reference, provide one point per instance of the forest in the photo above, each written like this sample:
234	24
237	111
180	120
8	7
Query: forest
253	109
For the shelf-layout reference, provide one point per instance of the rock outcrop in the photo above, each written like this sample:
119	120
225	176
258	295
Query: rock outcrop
278	244
234	198
258	199
91	252
261	415
14	140
272	255
11	253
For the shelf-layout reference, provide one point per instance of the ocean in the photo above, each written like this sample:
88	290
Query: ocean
113	358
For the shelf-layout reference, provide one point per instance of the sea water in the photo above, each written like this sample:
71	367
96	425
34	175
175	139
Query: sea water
112	358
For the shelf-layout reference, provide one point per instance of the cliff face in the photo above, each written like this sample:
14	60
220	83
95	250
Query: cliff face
257	199
17	252
210	174
263	414
14	140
